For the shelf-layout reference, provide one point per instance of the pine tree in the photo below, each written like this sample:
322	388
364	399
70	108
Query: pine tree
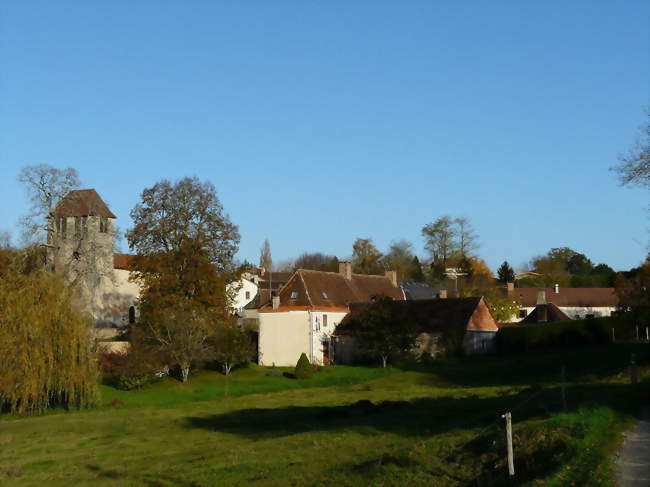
506	273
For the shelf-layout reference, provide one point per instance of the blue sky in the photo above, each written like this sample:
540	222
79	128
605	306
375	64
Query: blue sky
320	122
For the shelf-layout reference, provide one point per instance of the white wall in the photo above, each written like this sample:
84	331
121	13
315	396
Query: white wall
322	333
574	312
283	337
241	300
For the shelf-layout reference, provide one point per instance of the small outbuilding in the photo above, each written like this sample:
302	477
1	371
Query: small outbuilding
444	325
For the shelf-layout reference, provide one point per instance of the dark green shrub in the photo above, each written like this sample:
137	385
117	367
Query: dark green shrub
547	336
304	369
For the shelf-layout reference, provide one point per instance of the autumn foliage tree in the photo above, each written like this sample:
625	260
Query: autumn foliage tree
46	356
185	245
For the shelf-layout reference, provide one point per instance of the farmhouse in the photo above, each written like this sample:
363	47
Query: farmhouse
304	313
443	325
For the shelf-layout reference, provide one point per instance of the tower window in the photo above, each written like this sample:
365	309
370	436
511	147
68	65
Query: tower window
103	224
62	226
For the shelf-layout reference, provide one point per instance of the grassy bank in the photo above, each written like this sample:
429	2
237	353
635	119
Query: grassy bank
437	424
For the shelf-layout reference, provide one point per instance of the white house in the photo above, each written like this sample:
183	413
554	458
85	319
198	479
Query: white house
302	316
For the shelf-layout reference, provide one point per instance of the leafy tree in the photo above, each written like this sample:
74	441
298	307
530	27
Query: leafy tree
317	261
506	273
45	186
366	258
185	245
304	369
440	239
579	264
400	258
5	240
233	346
633	289
634	168
188	210
46	358
380	329
266	261
503	308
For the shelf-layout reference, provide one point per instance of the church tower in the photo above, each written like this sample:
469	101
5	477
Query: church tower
81	244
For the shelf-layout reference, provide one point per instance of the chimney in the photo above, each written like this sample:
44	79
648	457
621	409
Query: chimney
392	275
511	287
557	289
345	269
442	294
276	302
541	297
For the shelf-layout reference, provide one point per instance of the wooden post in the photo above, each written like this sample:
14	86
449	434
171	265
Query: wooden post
633	369
647	333
613	336
637	333
511	460
563	387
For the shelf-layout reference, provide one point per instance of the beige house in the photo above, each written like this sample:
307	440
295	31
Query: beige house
304	313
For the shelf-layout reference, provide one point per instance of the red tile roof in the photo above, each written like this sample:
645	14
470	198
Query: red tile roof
327	290
553	313
436	315
82	202
569	296
122	261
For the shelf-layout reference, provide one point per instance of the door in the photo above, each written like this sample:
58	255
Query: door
326	353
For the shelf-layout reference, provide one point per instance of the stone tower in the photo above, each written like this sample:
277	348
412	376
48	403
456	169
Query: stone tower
80	246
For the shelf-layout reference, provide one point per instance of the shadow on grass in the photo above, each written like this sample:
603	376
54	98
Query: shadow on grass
419	417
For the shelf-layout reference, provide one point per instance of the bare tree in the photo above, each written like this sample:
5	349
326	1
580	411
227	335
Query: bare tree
467	237
266	261
46	186
5	240
634	168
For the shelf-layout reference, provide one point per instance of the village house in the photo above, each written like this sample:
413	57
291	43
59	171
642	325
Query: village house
303	314
574	302
443	325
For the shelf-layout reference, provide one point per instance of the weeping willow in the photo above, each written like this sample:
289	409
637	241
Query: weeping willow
46	356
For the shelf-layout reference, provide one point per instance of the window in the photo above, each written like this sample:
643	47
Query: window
103	224
80	226
248	294
324	321
294	294
62	226
324	294
131	315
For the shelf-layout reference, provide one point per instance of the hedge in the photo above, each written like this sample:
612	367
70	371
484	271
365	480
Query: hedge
545	336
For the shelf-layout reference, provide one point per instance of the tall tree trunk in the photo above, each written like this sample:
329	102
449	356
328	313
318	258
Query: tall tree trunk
185	372
384	359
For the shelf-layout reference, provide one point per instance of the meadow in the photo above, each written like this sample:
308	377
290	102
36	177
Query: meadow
436	423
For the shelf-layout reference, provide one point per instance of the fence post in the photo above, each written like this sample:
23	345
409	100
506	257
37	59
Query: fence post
637	333
563	387
633	369
613	336
647	333
511	460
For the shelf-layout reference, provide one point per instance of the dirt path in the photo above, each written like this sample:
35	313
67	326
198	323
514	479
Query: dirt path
633	463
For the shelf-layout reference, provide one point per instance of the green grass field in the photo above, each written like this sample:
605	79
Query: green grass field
436	424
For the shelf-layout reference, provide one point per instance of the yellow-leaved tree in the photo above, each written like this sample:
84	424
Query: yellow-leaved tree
46	353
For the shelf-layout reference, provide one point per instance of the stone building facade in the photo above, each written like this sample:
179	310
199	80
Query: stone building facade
81	242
